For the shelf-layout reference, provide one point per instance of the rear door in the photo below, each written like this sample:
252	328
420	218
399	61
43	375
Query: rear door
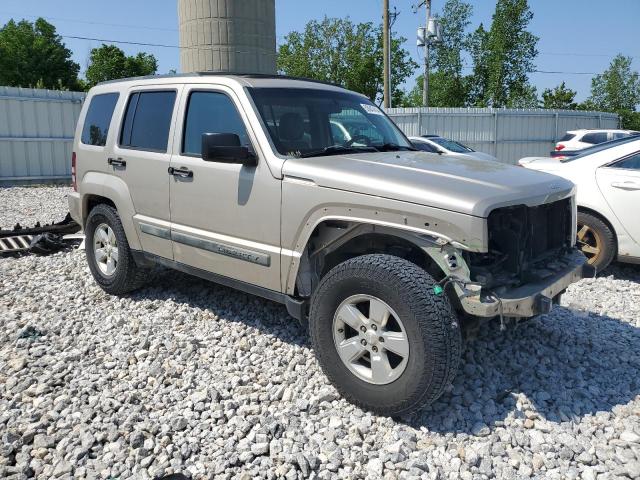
619	183
141	157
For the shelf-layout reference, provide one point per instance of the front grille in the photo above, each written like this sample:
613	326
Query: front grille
521	240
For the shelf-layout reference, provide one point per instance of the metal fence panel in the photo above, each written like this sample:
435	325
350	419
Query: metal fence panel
37	129
36	133
508	134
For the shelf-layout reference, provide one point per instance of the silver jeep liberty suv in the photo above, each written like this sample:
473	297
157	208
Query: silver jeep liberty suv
307	194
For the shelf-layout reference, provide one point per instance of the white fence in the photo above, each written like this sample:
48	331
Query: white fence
508	134
37	128
36	134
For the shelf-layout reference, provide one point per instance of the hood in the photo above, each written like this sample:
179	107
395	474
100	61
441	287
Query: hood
480	156
546	164
450	182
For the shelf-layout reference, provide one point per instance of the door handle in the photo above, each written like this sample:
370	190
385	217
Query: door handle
117	162
180	172
626	185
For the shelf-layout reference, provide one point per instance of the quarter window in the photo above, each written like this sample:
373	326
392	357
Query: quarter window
631	163
148	121
210	112
595	138
98	119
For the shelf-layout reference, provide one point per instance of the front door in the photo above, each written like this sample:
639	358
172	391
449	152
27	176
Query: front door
619	182
225	217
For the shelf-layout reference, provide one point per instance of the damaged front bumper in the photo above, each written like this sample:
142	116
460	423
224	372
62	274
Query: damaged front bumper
526	300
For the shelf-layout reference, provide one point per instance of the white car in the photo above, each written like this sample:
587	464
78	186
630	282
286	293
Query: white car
579	139
608	181
437	144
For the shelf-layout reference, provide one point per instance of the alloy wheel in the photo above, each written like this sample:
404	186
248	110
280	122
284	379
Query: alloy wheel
589	242
370	339
105	249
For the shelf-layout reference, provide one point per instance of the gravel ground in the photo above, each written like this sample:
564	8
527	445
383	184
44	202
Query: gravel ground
186	376
28	205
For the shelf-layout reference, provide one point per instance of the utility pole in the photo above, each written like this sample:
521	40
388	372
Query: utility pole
425	84
427	35
386	47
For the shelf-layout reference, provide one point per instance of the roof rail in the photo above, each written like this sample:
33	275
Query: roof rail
221	74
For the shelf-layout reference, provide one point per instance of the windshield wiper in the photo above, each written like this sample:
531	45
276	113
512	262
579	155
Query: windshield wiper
336	150
394	147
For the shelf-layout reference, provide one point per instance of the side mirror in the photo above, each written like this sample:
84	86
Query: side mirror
226	148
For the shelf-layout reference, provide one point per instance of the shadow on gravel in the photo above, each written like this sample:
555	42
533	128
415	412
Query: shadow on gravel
622	271
560	367
235	306
567	365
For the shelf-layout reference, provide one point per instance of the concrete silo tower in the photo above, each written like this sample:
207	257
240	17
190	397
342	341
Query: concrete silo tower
228	35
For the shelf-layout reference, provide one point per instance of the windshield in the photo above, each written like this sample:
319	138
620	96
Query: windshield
307	122
600	147
451	145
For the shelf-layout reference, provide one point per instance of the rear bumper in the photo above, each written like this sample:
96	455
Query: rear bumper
74	207
527	300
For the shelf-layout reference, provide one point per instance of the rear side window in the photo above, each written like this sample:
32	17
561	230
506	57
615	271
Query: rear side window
148	120
98	119
567	137
595	138
210	112
631	163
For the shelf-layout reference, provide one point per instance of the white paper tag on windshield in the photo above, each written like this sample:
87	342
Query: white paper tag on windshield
370	109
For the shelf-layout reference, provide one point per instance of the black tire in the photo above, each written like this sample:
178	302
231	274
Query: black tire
432	330
128	276
600	235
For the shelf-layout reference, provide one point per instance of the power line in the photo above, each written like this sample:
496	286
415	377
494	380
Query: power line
126	42
88	22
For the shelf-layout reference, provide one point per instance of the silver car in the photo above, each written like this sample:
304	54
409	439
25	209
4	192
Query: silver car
441	145
308	195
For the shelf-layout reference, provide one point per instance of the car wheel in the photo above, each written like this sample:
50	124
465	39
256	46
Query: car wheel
108	253
384	337
596	240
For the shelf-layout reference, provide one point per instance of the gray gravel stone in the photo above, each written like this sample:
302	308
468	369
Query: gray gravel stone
187	376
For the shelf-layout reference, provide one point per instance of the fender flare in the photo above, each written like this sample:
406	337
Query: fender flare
429	241
115	189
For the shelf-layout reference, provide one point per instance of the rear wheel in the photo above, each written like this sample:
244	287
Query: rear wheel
596	240
108	253
383	336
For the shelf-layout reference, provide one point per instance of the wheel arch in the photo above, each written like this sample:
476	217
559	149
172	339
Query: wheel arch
99	188
334	241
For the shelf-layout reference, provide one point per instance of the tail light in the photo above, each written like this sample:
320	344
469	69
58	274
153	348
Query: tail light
559	147
73	172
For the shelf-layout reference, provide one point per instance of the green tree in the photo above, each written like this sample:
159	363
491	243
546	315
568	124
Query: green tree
503	57
33	54
450	87
479	82
339	51
109	62
560	97
617	90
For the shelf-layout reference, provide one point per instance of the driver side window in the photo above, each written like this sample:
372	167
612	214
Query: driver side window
210	112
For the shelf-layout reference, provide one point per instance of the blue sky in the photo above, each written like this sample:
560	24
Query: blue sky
575	35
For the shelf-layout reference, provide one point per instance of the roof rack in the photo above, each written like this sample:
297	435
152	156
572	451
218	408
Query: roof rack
225	74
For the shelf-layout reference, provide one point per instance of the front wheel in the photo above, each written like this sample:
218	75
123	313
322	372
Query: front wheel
596	240
383	336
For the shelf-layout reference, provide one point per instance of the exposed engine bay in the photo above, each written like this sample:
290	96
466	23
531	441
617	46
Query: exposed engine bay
526	244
